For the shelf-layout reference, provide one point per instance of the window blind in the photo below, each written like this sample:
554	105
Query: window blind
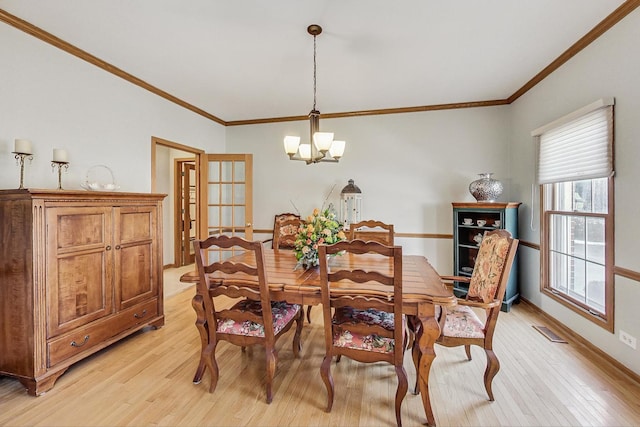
577	147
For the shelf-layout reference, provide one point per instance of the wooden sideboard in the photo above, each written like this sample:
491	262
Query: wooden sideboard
79	271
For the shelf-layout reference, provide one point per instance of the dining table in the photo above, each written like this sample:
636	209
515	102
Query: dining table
422	293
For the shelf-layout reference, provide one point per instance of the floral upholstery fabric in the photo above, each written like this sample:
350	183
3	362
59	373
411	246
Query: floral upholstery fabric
371	342
369	316
462	322
281	312
488	268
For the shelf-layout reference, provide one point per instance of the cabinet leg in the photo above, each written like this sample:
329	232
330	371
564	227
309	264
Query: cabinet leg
38	387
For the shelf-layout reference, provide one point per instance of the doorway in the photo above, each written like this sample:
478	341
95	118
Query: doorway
218	188
163	180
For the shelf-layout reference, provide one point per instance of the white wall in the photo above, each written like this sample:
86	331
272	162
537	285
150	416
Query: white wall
56	100
410	167
608	67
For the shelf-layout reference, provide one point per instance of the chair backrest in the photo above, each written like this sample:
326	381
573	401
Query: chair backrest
491	271
284	235
371	230
492	266
340	286
246	279
285	228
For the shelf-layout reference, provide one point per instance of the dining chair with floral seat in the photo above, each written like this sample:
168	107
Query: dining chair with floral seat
285	232
363	323
253	320
460	325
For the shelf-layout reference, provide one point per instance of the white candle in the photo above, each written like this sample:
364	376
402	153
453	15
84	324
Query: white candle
59	155
22	146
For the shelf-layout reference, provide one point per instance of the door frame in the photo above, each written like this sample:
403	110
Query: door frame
198	158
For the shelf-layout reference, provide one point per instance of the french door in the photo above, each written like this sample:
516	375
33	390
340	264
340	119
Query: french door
227	195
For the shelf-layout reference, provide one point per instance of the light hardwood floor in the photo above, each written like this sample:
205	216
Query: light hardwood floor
146	380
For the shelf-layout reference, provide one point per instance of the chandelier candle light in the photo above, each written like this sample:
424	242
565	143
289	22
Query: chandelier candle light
321	147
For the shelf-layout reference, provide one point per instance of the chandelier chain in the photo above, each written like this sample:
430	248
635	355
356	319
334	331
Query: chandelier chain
314	72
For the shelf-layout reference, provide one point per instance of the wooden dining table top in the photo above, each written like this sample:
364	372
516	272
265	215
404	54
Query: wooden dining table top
420	281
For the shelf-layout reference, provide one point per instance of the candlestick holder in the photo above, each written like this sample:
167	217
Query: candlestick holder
20	157
59	165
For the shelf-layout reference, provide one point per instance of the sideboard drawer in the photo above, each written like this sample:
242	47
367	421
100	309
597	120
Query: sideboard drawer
80	340
83	339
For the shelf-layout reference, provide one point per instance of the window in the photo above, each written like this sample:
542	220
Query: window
575	171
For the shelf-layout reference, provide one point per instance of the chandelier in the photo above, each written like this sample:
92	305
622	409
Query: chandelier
321	147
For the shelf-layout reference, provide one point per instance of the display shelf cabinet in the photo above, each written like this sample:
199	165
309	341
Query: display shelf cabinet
470	222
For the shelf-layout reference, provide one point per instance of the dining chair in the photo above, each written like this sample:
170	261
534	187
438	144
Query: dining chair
461	325
365	325
282	227
253	320
285	233
372	230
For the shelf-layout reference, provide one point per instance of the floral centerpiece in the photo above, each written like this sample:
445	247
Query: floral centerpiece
320	227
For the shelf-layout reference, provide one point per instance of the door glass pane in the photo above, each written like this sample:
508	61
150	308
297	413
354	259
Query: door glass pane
227	171
214	172
227	194
214	194
238	194
214	215
238	214
226	218
239	171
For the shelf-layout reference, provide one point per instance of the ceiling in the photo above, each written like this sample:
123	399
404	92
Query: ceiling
250	59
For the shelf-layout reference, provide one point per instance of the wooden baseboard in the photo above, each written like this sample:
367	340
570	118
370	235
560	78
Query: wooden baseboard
577	339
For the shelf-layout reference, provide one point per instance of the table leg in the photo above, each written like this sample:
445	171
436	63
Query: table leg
427	333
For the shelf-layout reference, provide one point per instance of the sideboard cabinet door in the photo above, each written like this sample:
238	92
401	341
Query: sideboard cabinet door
136	259
79	267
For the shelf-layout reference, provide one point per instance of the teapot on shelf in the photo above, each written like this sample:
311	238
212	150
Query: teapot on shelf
478	238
